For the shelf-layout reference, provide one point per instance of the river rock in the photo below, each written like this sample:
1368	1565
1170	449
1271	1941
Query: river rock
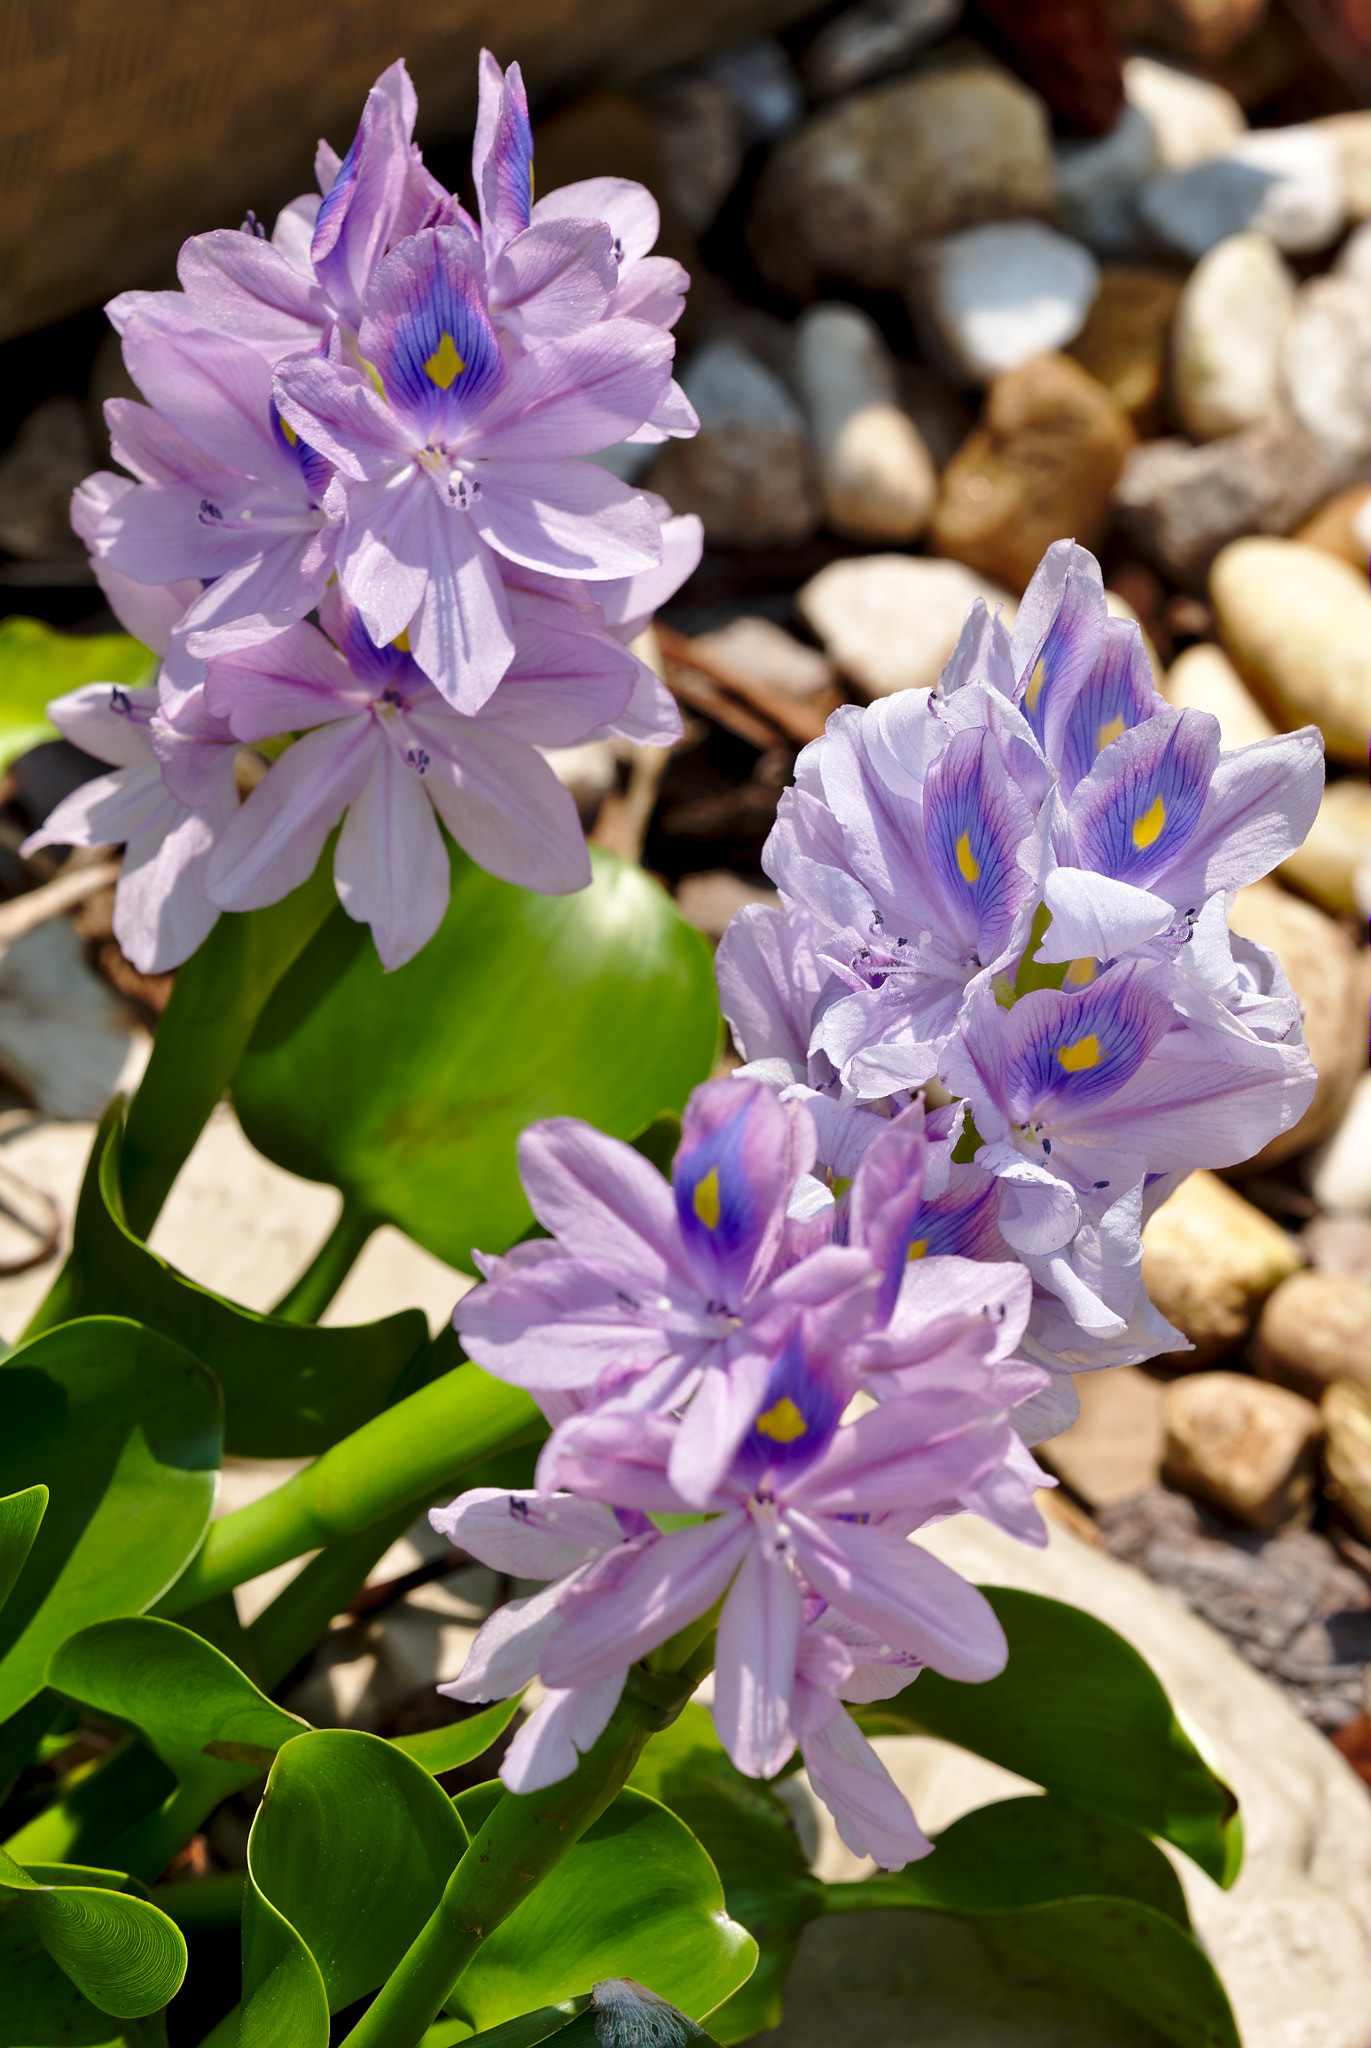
1248	1447
1328	974
1230	329
748	472
1202	678
1340	1174
1113	1450
871	40
1323	367
875	474
891	621
1337	851
1191	118
757	650
700	145
1124	341
1209	1261
988	299
1350	135
1179	505
1315	1329
38	473
1342	527
1346	1414
1283	182
1042	462
1205	29
1297	623
854	190
1342	1243
1354	257
1171	121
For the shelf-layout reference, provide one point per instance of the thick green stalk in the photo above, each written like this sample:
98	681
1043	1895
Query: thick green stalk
218	997
525	1837
401	1458
306	1301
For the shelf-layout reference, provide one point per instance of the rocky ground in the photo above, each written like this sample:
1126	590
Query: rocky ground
964	282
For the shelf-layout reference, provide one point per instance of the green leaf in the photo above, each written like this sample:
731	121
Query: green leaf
123	1427
348	1856
1078	1711
38	664
637	1897
289	1390
752	1843
20	1516
207	1722
446	1749
408	1090
124	1955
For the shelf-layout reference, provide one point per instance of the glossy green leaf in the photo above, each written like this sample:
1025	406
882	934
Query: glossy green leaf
408	1090
123	1427
1078	1711
348	1856
752	1843
637	1897
207	1722
20	1516
447	1749
290	1390
120	1952
37	664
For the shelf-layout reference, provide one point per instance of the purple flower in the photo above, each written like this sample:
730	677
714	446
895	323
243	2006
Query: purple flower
448	454
382	750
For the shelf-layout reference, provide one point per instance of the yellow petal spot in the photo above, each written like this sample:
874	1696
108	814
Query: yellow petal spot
839	1183
288	430
373	377
1081	973
1086	1052
1035	684
444	364
783	1423
1109	732
966	859
705	1200
1149	825
401	641
917	1249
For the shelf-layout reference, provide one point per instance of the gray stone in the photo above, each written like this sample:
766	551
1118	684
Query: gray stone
1098	184
1288	1605
1230	327
1285	182
891	621
38	473
853	191
876	476
748	472
866	42
1324	354
1180	505
991	297
65	1038
764	86
700	146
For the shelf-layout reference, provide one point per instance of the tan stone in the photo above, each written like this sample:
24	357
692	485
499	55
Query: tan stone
876	476
1124	340
891	621
1246	1446
1226	344
1042	463
1328	974
1327	865
1204	679
1113	1450
1346	1413
851	192
1297	623
1351	137
1315	1329
1209	1260
1342	527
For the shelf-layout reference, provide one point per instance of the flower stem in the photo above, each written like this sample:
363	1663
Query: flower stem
525	1837
401	1459
219	995
306	1301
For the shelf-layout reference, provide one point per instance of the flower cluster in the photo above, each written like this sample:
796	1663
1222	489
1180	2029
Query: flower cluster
759	1390
1012	891
380	416
851	1310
